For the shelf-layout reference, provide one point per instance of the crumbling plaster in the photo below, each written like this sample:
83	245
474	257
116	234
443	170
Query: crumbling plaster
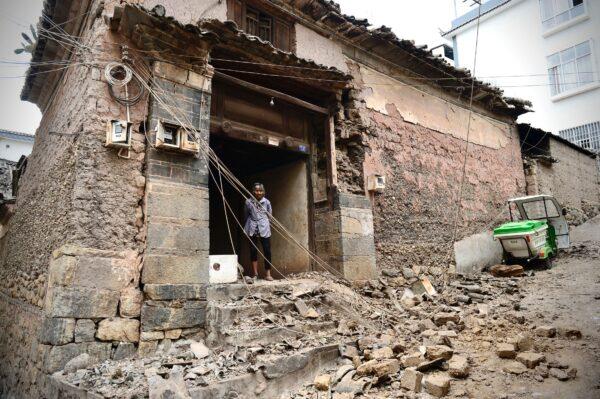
189	12
389	96
313	46
414	215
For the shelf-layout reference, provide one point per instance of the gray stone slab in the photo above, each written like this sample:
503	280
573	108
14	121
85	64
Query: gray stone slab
57	331
58	356
161	318
342	200
85	330
176	201
172	269
175	291
81	302
178	237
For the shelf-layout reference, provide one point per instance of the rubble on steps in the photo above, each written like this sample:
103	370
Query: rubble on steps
391	340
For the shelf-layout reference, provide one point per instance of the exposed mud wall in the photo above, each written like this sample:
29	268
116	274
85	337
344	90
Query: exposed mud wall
417	141
19	349
574	180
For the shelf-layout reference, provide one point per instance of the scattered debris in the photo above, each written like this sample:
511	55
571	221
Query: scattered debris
506	270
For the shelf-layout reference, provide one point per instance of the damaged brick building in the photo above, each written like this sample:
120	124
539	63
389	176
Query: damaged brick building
361	139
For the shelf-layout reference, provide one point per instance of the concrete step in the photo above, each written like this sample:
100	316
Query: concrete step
266	335
237	291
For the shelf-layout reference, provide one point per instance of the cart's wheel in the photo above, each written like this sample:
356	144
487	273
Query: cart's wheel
547	263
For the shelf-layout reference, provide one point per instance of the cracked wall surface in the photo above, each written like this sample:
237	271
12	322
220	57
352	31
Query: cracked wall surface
417	141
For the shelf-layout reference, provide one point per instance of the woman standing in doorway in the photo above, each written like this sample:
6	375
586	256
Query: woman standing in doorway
258	227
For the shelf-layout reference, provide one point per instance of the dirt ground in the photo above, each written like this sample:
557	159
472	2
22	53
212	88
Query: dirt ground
567	296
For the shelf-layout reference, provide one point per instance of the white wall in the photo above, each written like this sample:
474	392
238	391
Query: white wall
511	42
189	12
13	149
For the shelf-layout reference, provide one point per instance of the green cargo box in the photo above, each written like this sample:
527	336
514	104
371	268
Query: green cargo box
520	227
525	239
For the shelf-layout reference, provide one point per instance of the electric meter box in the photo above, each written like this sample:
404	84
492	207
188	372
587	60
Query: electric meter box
168	136
175	138
118	134
189	142
222	269
376	183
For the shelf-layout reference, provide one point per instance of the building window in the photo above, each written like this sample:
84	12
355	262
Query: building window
558	12
586	136
255	22
570	68
259	24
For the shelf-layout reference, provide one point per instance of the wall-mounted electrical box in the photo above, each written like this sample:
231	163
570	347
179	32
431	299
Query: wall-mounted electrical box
189	142
376	183
118	134
175	138
167	136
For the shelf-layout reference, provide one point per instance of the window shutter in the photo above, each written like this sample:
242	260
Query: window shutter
282	34
235	12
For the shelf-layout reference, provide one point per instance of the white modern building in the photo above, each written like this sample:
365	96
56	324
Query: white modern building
15	144
545	51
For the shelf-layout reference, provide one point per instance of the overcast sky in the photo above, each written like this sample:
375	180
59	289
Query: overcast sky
416	20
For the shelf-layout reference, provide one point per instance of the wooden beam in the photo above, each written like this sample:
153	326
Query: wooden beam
331	153
241	131
272	93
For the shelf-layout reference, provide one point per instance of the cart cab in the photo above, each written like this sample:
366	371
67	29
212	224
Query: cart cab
543	208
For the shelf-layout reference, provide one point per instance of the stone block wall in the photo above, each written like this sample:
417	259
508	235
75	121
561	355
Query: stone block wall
21	355
344	237
71	253
175	271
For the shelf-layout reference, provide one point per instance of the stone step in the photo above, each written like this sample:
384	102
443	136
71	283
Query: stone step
237	291
221	315
278	377
266	335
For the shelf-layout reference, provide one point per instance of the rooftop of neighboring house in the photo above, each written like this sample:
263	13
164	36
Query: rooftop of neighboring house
18	136
470	16
532	139
321	15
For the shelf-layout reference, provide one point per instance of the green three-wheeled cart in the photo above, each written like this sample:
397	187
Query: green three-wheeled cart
537	230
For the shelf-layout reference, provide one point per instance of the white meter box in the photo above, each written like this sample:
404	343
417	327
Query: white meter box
175	138
376	183
168	136
118	134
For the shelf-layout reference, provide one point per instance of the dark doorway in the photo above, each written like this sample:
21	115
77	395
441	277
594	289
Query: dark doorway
284	174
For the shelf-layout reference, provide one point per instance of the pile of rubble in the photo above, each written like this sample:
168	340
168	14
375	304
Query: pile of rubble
394	336
589	250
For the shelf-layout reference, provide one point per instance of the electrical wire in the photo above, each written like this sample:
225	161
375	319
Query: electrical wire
464	166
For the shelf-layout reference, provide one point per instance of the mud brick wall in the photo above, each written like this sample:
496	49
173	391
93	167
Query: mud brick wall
72	249
19	348
417	139
574	180
414	216
175	270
